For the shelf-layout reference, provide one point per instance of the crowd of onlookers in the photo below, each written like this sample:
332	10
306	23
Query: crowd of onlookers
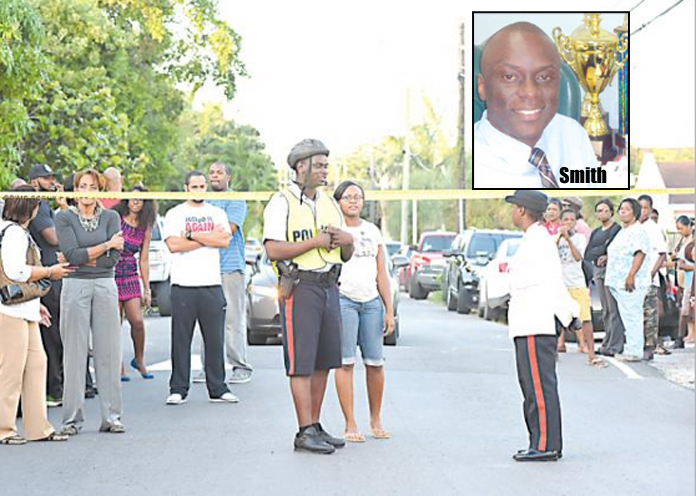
638	277
69	277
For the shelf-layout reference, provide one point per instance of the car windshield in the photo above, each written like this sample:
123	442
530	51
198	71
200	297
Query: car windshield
156	234
438	243
481	246
393	248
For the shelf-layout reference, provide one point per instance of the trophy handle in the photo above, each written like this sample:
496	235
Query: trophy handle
564	47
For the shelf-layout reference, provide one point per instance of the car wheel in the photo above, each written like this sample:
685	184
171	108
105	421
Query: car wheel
462	306
451	302
415	291
164	298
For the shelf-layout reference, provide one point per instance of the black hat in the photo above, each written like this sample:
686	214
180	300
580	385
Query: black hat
305	149
40	170
529	198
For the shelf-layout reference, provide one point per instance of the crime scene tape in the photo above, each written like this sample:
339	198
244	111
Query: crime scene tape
379	195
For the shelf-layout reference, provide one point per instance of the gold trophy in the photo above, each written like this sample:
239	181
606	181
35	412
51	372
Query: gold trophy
594	54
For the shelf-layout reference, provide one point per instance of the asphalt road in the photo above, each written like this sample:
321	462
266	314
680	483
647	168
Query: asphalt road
452	404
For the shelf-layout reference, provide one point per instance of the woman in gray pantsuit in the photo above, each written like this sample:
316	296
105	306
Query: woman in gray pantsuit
89	238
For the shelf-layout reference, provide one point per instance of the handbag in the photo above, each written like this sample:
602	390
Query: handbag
14	292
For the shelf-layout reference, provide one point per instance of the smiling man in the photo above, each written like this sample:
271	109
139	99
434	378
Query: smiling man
521	141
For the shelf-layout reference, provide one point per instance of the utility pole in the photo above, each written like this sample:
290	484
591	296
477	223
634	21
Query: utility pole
406	171
461	204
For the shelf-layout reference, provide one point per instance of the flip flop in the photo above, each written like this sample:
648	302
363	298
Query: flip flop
597	362
380	434
354	437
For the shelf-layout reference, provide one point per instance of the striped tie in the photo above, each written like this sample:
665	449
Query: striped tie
538	160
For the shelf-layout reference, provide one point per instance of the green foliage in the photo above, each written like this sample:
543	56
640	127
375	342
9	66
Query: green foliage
110	89
209	138
21	62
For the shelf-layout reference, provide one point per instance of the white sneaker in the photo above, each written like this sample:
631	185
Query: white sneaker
225	398
239	376
200	378
175	399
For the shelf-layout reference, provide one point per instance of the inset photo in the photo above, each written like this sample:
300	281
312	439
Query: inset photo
550	100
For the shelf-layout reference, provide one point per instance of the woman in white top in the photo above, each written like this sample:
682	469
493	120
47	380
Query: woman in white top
367	313
22	357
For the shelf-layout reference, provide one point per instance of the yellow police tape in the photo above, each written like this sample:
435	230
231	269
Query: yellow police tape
386	195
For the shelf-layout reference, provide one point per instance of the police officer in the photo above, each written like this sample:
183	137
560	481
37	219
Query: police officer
538	298
302	233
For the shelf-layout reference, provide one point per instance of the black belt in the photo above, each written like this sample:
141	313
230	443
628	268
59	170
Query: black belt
330	277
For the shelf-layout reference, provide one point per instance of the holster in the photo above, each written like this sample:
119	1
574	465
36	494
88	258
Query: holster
288	278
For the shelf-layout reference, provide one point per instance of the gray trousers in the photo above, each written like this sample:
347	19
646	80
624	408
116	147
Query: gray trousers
614	331
91	304
235	322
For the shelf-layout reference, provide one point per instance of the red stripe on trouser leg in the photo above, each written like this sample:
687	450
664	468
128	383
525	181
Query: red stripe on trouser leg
538	391
290	334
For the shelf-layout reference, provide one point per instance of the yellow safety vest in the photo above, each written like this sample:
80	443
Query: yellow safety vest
303	225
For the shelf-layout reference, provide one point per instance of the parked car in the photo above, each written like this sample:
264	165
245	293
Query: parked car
393	247
252	249
470	253
427	263
494	283
404	271
160	267
392	266
263	310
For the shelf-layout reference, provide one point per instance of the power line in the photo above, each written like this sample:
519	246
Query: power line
654	18
636	5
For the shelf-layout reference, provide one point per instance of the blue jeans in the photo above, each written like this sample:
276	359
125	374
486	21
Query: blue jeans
362	325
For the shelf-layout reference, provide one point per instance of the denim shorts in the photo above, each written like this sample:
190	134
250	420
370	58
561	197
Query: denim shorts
362	325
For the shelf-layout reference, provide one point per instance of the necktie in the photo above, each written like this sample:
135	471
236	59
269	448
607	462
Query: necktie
538	160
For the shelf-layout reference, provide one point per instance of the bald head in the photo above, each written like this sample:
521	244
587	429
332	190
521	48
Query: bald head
519	80
512	34
113	179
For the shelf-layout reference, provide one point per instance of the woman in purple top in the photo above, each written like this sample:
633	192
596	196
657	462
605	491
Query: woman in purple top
137	219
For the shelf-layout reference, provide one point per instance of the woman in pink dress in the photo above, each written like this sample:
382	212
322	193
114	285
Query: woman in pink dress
137	220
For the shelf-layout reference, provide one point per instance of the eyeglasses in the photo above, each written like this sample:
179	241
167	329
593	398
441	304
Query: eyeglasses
350	198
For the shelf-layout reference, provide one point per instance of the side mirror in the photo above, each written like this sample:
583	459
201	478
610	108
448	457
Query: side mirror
448	253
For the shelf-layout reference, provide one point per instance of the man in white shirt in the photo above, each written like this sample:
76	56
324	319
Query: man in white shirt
521	141
655	259
537	298
194	232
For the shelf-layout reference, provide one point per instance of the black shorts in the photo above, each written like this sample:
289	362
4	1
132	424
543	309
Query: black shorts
311	324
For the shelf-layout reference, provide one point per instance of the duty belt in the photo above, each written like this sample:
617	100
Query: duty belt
326	278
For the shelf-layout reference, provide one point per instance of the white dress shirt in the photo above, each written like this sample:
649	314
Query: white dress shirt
537	292
14	260
501	161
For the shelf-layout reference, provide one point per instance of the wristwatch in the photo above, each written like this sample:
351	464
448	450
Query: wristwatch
189	235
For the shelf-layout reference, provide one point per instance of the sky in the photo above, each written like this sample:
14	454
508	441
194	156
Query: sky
341	72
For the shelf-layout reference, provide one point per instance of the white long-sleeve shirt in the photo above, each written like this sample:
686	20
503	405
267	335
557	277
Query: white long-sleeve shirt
537	292
14	261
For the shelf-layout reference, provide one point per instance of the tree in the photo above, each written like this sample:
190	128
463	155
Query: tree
21	60
209	138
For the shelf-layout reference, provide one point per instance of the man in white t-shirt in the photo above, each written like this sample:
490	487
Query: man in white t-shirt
571	250
194	232
655	259
364	288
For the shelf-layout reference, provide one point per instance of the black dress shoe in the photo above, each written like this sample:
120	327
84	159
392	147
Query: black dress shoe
532	455
309	440
605	353
336	442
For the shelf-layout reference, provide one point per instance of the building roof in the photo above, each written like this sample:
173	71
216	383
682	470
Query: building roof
679	175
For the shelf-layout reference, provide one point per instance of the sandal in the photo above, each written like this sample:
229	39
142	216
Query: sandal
661	350
380	434
15	440
561	349
354	437
55	436
596	362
